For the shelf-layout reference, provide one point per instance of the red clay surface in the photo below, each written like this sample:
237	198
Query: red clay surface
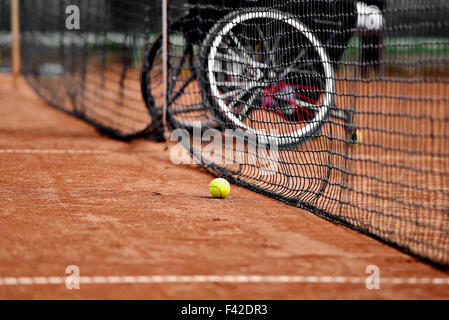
129	211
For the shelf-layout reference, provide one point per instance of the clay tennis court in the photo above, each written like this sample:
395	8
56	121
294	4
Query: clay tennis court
122	210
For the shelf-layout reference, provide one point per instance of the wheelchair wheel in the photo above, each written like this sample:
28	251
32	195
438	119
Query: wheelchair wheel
183	110
265	73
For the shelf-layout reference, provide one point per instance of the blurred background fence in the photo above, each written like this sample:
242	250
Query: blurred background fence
5	35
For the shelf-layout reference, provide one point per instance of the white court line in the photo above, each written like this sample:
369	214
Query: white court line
51	151
171	279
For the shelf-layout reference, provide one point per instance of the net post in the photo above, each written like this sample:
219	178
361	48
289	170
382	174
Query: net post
165	68
15	47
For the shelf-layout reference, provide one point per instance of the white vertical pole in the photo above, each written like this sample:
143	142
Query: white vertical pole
15	46
165	66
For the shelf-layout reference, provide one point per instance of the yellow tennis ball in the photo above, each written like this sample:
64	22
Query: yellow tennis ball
219	188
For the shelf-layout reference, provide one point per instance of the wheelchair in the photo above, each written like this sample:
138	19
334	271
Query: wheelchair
267	72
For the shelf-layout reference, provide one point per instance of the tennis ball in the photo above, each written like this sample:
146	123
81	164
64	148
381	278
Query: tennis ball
219	188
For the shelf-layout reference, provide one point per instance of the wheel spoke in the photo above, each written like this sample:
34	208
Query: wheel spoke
267	39
234	73
248	106
230	94
236	99
238	43
180	92
299	56
182	61
300	102
298	59
241	57
245	85
244	54
191	108
276	50
179	68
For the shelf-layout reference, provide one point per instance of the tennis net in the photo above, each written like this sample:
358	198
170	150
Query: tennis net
343	107
337	107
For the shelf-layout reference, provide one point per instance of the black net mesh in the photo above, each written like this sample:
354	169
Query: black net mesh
5	35
337	107
92	72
